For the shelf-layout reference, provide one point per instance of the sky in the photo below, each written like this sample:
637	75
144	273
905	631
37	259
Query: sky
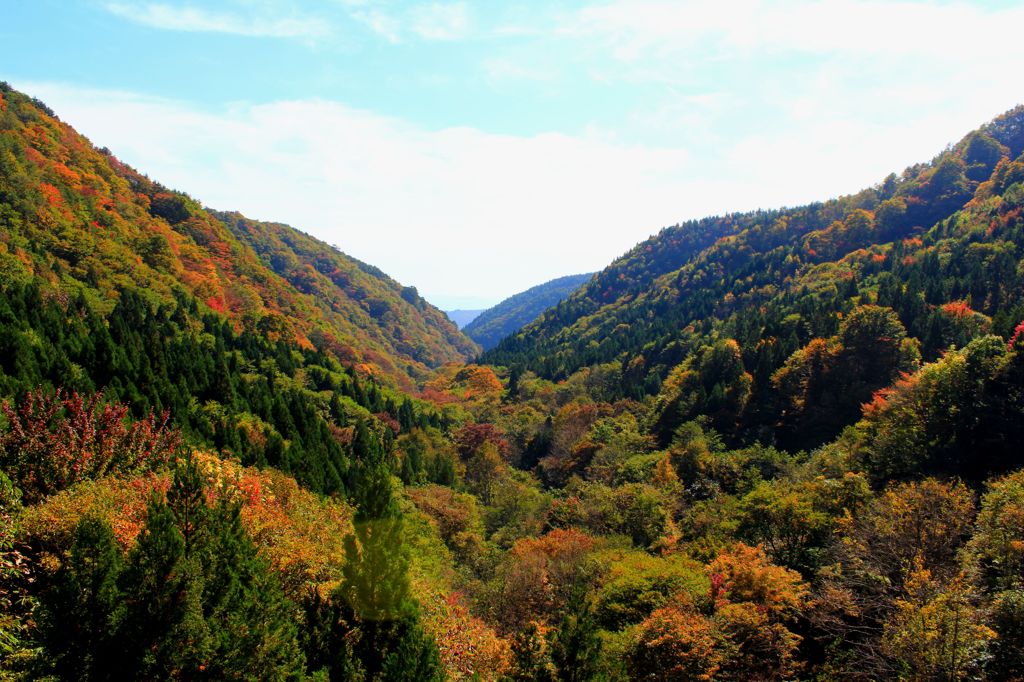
475	149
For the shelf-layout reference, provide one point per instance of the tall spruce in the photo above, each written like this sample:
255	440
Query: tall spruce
576	645
200	601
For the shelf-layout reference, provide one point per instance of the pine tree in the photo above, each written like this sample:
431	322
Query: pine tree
82	610
201	602
164	633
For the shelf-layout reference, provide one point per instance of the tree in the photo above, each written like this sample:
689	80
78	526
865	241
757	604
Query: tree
576	645
199	601
674	642
784	519
998	541
908	529
936	631
714	383
82	610
57	439
823	385
372	620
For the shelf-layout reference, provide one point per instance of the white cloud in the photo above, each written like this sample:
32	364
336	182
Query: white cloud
440	21
875	27
500	69
384	25
461	211
435	22
197	19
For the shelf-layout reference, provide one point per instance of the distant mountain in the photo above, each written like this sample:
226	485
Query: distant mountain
390	321
462	317
515	312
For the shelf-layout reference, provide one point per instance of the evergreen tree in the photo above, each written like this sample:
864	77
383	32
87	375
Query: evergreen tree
374	625
576	645
82	610
201	602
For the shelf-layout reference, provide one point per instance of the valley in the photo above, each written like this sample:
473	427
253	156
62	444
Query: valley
782	444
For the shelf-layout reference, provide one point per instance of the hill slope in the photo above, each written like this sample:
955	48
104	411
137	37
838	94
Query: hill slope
645	308
79	220
515	312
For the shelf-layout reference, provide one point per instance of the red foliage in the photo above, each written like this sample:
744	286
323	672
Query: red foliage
437	397
1018	334
51	194
471	437
389	422
215	304
957	309
56	440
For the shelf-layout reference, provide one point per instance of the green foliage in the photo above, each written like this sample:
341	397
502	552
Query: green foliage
79	220
712	383
782	283
369	628
944	419
83	610
749	449
576	645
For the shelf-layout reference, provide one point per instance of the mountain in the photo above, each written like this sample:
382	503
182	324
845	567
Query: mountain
462	317
774	445
515	312
776	279
257	341
389	325
83	223
200	412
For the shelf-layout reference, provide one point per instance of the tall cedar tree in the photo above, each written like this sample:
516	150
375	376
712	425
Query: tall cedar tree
370	629
82	611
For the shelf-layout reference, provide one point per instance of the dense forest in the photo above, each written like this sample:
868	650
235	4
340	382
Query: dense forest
769	446
515	312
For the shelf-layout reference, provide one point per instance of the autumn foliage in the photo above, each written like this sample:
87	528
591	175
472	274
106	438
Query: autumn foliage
55	440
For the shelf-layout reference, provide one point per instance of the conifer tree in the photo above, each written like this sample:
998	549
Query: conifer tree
374	625
576	645
82	610
201	603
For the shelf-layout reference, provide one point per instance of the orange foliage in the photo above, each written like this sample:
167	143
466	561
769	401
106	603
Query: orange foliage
675	642
216	304
538	576
469	648
957	309
300	533
51	194
745	574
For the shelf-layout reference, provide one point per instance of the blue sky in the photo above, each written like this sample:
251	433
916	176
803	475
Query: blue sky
476	149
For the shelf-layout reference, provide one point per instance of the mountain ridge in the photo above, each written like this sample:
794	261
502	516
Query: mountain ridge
82	220
642	288
520	309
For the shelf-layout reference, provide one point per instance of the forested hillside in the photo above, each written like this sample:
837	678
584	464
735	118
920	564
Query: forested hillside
741	275
81	223
771	446
155	371
515	312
